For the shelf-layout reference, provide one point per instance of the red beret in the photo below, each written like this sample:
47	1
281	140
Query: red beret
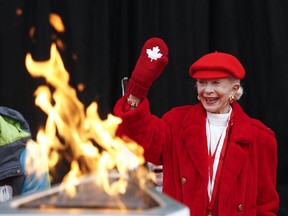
217	65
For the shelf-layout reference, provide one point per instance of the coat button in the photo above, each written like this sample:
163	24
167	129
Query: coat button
240	207
18	171
183	180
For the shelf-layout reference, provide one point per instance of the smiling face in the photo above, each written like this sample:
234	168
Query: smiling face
214	93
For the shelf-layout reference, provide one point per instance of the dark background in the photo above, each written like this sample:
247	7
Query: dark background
103	39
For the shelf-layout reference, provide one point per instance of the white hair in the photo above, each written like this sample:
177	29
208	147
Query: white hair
238	93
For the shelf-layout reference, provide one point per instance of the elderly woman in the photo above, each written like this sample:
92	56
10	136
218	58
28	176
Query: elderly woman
216	159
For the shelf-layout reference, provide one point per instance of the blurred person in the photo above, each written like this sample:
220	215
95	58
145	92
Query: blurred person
15	178
216	159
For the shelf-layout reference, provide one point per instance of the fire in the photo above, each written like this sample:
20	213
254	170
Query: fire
89	143
56	22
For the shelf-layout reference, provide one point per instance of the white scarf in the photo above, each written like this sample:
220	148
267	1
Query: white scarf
216	125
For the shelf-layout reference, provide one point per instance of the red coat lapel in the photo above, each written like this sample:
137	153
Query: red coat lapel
194	136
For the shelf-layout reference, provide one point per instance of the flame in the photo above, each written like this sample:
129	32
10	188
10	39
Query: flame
36	151
56	22
78	134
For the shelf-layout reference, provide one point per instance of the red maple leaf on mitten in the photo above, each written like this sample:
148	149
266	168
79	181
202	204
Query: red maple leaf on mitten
151	62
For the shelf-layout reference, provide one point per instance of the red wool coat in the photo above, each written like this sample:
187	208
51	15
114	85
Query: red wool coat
178	141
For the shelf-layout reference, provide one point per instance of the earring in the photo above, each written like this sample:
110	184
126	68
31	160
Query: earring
231	99
198	97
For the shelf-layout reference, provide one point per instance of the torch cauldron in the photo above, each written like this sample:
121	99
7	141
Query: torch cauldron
92	200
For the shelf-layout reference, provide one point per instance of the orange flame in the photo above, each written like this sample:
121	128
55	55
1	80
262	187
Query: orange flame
70	127
56	22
